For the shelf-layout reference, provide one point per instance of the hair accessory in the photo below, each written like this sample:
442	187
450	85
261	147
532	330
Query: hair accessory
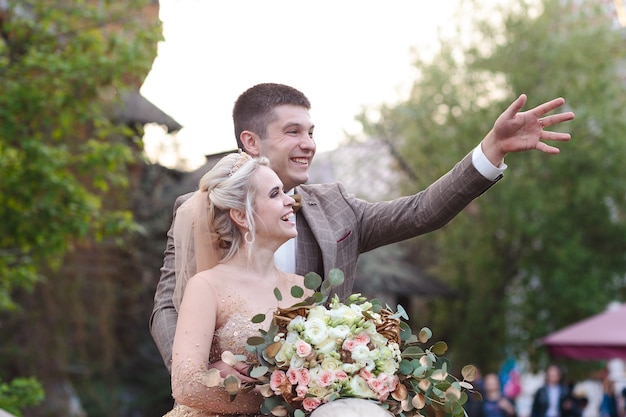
243	158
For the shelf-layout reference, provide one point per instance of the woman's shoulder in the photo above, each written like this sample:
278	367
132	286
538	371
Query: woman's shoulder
292	279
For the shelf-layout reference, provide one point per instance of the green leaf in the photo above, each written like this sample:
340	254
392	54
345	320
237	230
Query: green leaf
312	281
335	277
439	348
255	340
259	318
413	351
406	367
278	294
258	371
231	385
297	292
424	334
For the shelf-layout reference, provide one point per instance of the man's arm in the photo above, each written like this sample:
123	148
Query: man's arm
164	314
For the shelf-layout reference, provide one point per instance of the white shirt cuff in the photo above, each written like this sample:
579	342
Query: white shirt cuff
484	166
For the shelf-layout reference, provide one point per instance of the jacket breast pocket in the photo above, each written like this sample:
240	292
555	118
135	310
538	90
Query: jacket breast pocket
344	236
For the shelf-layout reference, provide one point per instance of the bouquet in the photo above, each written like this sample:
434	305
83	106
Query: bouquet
319	351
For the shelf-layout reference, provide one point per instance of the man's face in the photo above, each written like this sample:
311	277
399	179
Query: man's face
289	144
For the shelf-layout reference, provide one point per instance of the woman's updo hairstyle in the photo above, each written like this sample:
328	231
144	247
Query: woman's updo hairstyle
229	185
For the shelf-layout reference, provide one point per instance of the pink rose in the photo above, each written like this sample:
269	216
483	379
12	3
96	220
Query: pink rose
341	375
303	349
326	378
377	385
349	345
362	338
277	379
301	390
292	376
303	376
392	382
366	375
311	403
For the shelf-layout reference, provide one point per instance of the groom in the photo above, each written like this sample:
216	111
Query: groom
334	227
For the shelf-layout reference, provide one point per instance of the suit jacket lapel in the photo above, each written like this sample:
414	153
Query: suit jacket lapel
320	228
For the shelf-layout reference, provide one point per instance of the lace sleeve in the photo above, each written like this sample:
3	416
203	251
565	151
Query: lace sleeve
192	346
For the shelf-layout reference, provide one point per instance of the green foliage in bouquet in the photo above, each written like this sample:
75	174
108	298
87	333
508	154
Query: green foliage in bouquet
320	350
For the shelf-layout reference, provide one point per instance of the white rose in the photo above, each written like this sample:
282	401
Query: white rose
378	339
292	337
340	331
388	366
327	346
296	362
350	368
315	330
367	363
331	364
317	391
361	352
359	388
285	353
370	327
314	373
296	324
344	314
317	312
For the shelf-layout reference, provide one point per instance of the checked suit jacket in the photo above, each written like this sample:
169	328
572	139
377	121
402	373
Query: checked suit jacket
334	228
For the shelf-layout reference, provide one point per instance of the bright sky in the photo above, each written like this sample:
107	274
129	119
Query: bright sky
343	54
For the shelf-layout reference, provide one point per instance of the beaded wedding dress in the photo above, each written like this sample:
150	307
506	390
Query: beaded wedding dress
232	336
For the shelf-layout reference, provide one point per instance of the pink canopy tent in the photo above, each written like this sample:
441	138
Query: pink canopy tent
599	337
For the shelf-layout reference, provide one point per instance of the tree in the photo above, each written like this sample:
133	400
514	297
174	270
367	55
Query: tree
65	67
546	246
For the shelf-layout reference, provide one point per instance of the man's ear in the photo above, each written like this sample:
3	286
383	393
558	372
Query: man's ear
250	142
239	217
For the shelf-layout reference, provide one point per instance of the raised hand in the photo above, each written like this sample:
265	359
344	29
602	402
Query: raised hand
516	131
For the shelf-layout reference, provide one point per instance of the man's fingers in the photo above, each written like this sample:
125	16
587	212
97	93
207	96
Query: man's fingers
515	107
547	107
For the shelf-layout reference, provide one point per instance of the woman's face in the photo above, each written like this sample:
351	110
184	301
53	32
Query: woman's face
274	213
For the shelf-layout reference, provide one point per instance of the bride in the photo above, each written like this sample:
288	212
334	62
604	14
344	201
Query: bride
230	230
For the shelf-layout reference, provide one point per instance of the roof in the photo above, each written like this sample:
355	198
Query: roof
599	337
138	109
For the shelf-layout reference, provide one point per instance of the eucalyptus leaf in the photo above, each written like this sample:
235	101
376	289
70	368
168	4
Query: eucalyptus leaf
280	411
464	398
297	292
469	373
278	294
258	371
466	385
413	351
405	367
419	371
259	318
335	277
229	358
312	281
273	349
231	385
424	334
255	340
439	348
211	378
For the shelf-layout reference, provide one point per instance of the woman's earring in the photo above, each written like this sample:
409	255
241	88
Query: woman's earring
249	238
